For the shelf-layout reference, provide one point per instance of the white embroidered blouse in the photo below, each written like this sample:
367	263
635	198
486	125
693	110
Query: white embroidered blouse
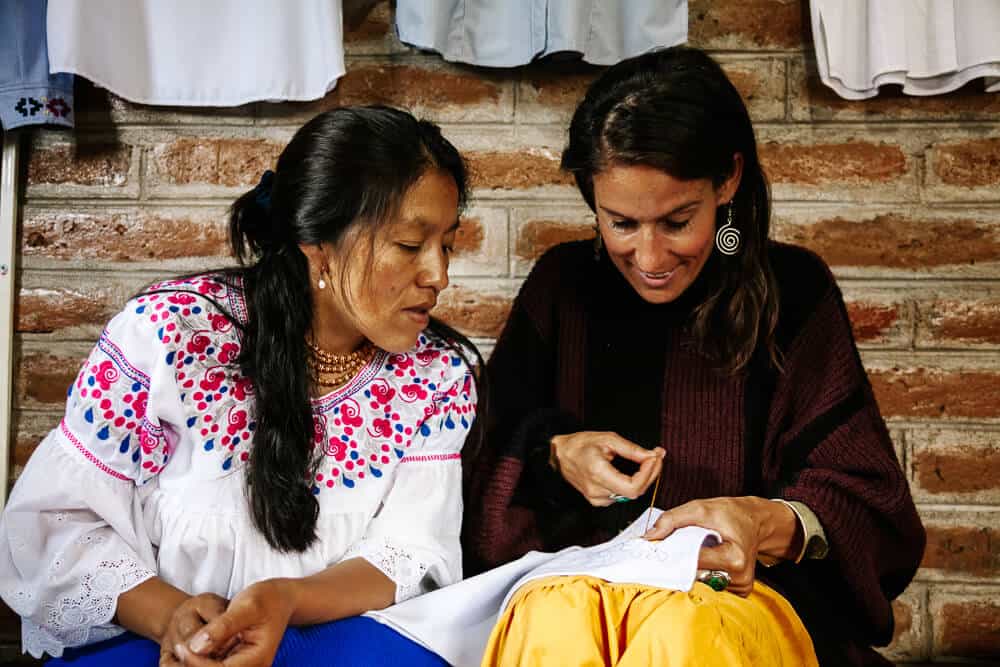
144	476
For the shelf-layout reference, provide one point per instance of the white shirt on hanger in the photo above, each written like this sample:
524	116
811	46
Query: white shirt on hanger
197	53
927	46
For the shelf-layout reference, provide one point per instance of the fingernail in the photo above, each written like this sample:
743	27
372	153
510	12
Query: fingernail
181	651
199	642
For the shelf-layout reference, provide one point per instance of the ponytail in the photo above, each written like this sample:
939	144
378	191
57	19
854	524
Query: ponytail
273	357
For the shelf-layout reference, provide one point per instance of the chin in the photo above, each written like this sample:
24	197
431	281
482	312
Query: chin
397	343
657	296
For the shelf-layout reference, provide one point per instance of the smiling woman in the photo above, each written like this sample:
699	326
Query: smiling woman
270	446
689	362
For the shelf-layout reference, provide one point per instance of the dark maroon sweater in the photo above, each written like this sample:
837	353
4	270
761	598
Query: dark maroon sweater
582	351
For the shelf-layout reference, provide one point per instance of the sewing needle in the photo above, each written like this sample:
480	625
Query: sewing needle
652	501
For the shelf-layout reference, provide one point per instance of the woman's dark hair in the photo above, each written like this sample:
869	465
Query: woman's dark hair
346	167
675	110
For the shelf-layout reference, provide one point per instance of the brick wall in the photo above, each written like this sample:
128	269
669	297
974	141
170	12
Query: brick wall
899	194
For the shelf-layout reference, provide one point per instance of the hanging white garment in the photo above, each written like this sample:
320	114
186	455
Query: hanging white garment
928	47
198	53
514	32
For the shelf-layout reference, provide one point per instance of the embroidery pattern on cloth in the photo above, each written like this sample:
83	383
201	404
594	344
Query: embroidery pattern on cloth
362	433
55	107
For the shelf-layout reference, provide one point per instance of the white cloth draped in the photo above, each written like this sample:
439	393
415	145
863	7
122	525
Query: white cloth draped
514	32
928	47
198	53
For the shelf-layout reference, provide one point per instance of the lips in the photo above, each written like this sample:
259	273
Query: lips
420	313
655	280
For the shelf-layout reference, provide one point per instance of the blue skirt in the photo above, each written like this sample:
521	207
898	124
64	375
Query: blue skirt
352	642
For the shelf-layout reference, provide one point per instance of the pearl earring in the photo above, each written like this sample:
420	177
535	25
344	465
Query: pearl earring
322	284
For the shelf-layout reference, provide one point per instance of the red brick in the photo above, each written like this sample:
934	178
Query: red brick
537	236
872	322
958	470
515	171
98	107
968	628
761	84
92	164
550	91
969	164
406	85
745	24
469	239
45	378
373	26
972	321
854	162
903	616
227	162
473	313
124	235
811	100
39	310
965	550
896	241
908	634
29	429
441	91
921	392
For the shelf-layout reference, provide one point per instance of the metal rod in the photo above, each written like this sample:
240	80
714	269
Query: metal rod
9	197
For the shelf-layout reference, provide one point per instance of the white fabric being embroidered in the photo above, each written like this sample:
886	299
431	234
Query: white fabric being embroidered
514	32
144	476
928	47
455	622
197	53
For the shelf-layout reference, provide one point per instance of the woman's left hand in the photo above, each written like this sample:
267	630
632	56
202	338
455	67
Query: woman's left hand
258	617
748	525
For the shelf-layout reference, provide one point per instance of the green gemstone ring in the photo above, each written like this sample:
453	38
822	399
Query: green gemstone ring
717	580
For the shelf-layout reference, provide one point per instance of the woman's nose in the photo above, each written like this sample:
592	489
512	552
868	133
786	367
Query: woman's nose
652	250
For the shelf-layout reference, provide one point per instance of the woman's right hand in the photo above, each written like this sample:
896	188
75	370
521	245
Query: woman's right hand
189	616
584	460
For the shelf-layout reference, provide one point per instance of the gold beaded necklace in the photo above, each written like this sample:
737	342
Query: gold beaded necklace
333	370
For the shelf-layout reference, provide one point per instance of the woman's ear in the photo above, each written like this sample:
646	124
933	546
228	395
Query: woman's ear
317	259
728	189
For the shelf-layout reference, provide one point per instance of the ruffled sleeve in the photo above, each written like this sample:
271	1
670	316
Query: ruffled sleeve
72	537
414	537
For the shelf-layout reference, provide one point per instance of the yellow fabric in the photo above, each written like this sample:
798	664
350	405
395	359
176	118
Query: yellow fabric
580	620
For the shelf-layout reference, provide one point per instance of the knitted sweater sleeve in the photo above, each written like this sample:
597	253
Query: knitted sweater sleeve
510	483
828	447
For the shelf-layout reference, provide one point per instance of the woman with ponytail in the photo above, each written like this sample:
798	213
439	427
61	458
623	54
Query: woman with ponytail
250	455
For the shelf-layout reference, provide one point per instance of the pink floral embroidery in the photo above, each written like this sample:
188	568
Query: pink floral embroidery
198	343
380	428
237	421
336	448
228	353
350	413
381	391
106	374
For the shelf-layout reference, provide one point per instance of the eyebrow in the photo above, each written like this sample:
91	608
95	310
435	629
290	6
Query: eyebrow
677	209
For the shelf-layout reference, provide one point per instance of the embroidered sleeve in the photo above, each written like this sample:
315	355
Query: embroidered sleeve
414	537
72	538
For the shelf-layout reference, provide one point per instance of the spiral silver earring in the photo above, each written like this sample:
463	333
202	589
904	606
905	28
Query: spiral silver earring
727	239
